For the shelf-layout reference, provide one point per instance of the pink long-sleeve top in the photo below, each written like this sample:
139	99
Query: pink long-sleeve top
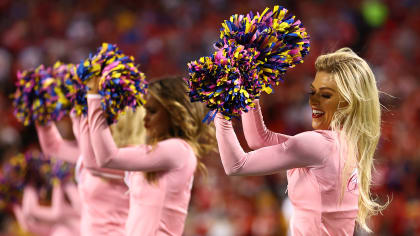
104	202
156	208
313	164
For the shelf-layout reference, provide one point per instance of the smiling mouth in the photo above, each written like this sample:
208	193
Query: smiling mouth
317	113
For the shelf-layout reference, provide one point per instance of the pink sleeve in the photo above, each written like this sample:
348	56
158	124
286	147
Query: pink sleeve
75	121
141	158
88	155
307	149
51	214
256	133
53	145
73	194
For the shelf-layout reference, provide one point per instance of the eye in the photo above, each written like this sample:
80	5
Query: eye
312	92
326	95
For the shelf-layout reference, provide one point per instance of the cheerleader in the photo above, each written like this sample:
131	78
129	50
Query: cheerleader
104	202
328	169
160	173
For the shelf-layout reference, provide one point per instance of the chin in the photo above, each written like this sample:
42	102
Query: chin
317	126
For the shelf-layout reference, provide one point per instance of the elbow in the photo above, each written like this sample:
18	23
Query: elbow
232	171
103	162
254	145
50	149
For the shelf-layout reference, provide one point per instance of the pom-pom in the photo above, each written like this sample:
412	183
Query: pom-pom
30	168
280	39
94	64
74	89
254	53
121	85
227	82
39	97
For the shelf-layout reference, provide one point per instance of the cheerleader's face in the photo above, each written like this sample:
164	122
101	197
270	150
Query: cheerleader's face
156	120
324	100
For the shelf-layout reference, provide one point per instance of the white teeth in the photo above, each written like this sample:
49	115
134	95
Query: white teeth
317	112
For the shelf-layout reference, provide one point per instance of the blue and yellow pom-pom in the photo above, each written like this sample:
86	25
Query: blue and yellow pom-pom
75	90
30	168
280	38
256	52
121	82
121	85
39	97
227	82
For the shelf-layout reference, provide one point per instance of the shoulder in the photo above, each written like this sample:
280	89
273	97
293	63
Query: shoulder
317	143
178	149
316	136
176	146
177	143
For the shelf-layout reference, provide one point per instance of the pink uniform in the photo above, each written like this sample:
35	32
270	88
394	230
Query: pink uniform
157	208
313	167
104	200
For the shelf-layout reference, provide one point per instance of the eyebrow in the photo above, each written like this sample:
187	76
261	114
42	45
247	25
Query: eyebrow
323	88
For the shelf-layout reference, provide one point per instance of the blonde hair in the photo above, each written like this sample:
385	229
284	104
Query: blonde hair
185	118
129	129
358	123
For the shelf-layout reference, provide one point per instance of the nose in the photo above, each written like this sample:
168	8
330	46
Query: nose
313	99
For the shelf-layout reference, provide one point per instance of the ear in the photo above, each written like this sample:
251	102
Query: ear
342	103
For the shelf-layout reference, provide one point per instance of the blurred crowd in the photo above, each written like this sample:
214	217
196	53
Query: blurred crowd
164	35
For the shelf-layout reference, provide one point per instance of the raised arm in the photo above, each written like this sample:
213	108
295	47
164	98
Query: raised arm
141	158
52	214
88	155
307	149
256	133
73	195
54	145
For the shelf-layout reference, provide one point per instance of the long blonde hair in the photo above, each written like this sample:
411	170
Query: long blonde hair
185	118
358	123
129	129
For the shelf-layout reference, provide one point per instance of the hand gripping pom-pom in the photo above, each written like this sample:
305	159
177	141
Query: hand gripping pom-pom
121	82
253	54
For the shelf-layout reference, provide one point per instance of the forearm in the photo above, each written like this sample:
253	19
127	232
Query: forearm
138	158
256	133
303	150
231	152
53	145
